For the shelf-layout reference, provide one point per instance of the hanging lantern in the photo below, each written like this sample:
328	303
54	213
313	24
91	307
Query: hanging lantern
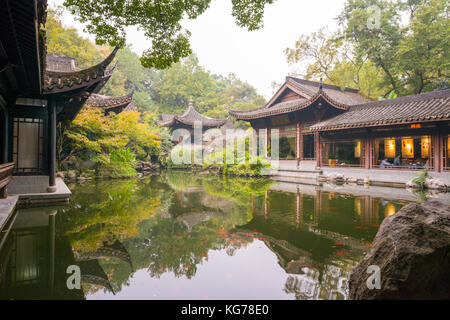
425	146
389	148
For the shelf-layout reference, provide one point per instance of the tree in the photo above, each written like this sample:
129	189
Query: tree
66	42
378	52
210	93
330	57
404	53
93	135
424	53
160	20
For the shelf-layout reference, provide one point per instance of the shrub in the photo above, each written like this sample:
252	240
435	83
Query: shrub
119	164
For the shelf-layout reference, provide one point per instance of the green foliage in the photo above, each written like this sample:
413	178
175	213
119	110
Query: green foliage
156	91
160	21
421	178
379	52
113	141
243	163
413	56
65	41
210	93
120	164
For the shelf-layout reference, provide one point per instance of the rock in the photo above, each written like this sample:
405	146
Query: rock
352	180
412	250
435	184
430	183
336	178
72	174
87	164
411	185
366	181
61	174
143	166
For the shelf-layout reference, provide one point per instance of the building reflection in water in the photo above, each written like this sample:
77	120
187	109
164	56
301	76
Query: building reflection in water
317	236
28	255
324	220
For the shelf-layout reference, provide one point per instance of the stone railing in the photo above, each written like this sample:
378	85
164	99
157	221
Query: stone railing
5	177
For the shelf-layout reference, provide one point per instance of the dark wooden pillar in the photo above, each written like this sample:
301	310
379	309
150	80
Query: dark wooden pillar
52	145
5	137
367	144
317	149
437	152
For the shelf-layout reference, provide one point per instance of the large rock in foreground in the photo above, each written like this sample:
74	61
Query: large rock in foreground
412	250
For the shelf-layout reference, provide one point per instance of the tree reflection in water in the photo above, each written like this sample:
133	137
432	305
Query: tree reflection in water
171	223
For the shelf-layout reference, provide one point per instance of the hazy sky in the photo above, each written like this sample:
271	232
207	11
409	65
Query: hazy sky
256	57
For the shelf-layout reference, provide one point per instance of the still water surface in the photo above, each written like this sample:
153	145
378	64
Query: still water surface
182	236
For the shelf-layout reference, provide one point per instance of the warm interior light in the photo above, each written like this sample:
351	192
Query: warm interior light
358	206
358	149
389	148
407	148
425	147
448	146
389	210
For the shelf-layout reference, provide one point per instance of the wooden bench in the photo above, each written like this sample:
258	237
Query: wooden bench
5	177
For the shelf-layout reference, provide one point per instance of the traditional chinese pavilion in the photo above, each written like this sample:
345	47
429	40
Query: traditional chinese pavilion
188	120
329	126
37	91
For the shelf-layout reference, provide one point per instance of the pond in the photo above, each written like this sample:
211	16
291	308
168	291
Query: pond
184	236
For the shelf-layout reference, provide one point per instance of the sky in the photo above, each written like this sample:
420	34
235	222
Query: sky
256	57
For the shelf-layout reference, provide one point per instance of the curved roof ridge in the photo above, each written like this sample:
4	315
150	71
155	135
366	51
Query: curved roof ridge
189	117
110	102
291	106
325	85
60	81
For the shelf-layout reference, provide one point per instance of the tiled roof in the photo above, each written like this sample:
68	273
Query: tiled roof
432	106
61	81
189	117
108	103
311	92
345	96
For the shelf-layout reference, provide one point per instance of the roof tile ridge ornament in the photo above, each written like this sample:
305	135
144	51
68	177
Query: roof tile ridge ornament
110	70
